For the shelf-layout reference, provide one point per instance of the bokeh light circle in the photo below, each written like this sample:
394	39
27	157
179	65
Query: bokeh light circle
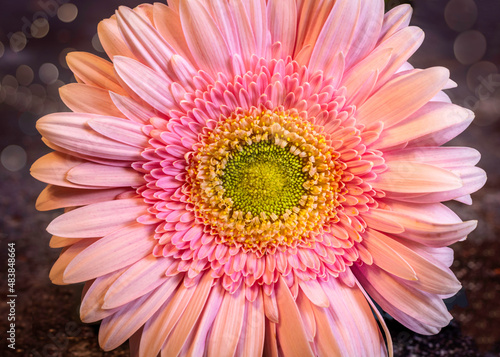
13	158
40	28
48	73
18	41
460	15
67	12
478	73
25	75
469	47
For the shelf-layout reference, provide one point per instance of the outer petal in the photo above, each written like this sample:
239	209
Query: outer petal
86	99
115	251
98	219
70	131
337	33
54	197
94	71
402	96
145	42
290	331
204	39
148	85
284	30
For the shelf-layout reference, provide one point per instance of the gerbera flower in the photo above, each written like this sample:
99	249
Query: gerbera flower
246	177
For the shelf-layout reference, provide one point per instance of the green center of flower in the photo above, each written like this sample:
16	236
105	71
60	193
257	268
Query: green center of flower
264	177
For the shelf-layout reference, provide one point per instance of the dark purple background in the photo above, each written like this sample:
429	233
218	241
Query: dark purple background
47	315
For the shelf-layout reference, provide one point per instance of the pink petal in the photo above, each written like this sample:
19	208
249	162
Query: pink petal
112	40
337	33
444	157
423	230
473	178
252	336
358	332
91	307
395	20
290	330
104	176
314	292
404	43
70	131
227	325
197	342
146	43
146	83
204	39
131	109
116	329
56	274
159	327
122	130
61	242
432	125
187	321
402	302
139	279
367	30
308	31
112	252
402	96
386	257
284	29
98	219
83	98
355	79
243	30
54	197
412	177
168	24
257	16
52	168
94	71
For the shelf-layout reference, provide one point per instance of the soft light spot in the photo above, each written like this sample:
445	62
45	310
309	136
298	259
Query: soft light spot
48	73
40	28
470	47
2	49
13	158
23	100
478	73
10	84
25	75
67	12
18	41
96	43
460	15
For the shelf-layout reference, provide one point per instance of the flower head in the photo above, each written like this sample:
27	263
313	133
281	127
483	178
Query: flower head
247	176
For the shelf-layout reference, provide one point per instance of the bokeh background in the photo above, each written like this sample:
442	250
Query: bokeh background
36	35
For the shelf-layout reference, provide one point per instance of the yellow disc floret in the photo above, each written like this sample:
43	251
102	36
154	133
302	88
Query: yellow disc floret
263	181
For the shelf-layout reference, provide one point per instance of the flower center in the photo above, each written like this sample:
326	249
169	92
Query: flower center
264	181
264	177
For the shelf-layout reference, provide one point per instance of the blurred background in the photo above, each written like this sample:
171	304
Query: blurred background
36	35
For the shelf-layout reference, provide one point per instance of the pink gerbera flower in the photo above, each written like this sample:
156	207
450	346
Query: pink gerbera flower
246	176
